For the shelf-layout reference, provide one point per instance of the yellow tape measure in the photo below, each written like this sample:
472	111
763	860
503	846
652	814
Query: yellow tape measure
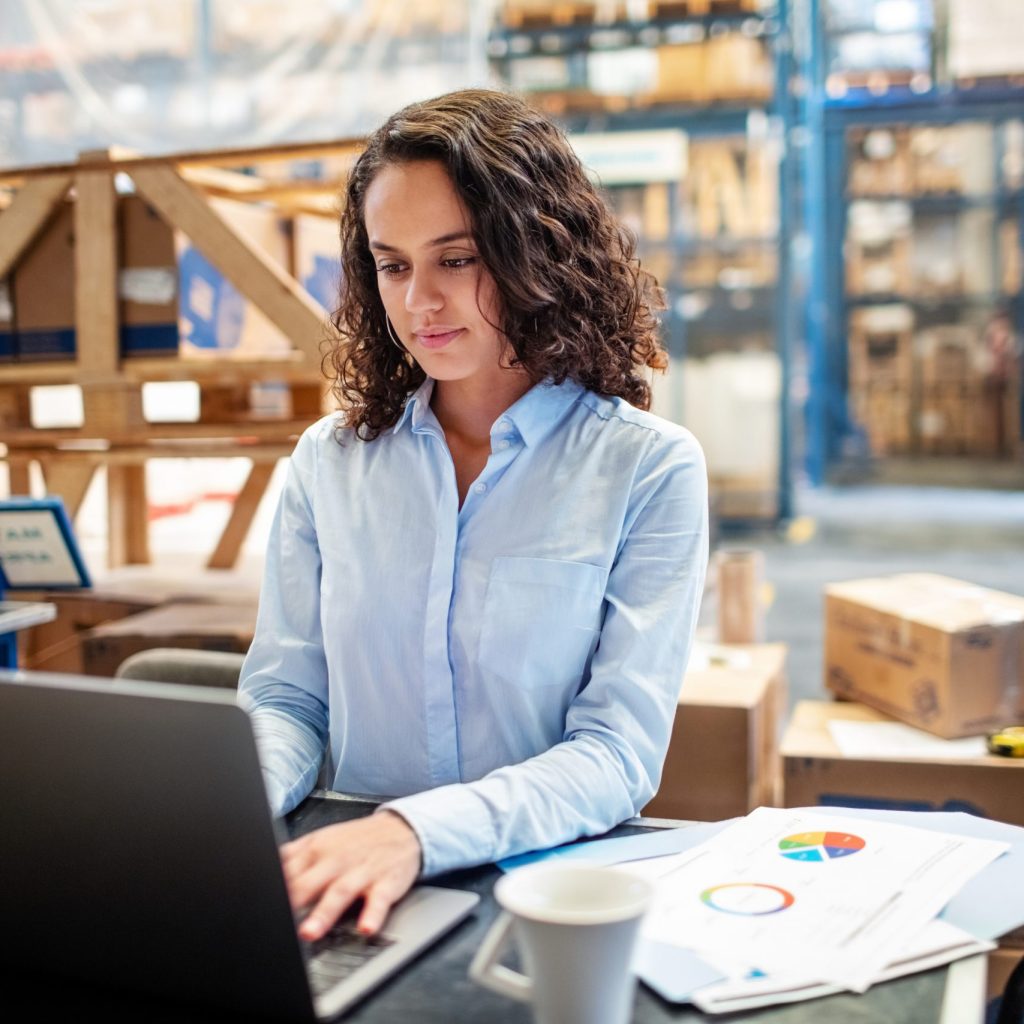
1008	742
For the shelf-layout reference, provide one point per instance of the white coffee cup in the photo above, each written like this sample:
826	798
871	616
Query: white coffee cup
576	927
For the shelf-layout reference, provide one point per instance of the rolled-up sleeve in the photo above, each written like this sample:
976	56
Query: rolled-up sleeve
617	728
284	682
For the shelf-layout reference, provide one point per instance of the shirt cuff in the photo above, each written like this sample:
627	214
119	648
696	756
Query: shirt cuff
453	824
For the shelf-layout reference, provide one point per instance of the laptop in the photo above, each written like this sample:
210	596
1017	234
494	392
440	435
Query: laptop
137	851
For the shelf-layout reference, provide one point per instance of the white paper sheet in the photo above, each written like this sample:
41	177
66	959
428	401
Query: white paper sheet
797	893
938	943
894	739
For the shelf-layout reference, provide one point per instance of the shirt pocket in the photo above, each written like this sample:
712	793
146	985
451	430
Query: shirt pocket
541	620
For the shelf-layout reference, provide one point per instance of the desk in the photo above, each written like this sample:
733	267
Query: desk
436	989
15	615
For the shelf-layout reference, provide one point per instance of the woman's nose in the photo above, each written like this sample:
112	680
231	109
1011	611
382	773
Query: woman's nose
423	294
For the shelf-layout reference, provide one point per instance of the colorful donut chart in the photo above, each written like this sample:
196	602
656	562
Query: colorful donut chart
748	899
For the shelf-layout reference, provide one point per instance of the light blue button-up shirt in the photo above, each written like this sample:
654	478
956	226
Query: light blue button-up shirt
507	671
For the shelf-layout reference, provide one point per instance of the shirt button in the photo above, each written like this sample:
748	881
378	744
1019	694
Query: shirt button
480	488
502	445
504	424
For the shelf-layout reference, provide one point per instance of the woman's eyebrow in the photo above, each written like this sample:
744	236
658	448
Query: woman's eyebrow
454	236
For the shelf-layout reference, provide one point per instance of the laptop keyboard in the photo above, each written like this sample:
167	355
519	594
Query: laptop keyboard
340	953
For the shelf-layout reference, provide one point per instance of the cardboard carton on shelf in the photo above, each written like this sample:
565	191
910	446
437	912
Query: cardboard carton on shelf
206	627
885	412
882	268
723	756
944	655
817	773
880	163
209	315
738	67
944	417
316	257
6	322
171	298
43	291
880	346
681	74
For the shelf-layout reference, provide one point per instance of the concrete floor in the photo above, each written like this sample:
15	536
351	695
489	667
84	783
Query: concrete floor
851	532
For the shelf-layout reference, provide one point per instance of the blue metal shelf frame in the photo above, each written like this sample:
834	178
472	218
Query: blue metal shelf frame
705	122
827	420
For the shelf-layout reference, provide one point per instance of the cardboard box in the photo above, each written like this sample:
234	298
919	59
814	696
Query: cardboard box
43	291
205	627
941	654
816	773
6	322
171	298
723	756
737	67
681	75
316	257
169	290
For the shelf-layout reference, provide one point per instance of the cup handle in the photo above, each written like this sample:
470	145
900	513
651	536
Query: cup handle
486	971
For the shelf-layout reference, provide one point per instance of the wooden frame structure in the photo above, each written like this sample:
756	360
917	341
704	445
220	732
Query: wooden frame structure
115	434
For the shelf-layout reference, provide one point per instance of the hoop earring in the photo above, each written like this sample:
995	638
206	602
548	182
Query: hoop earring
394	338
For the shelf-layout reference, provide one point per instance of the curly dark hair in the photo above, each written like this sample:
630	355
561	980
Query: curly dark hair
573	299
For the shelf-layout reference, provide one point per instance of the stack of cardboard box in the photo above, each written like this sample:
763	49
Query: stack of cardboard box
172	300
881	365
949	389
942	655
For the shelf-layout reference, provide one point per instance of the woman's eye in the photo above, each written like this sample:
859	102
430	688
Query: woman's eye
458	262
390	269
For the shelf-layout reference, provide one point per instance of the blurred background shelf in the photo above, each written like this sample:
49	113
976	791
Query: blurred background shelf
914	171
713	230
787	169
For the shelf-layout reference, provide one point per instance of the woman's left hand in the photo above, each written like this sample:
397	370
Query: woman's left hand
377	858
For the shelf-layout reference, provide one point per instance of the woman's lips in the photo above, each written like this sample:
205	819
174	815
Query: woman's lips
438	340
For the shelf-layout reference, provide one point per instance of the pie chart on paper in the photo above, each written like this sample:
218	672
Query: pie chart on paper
820	846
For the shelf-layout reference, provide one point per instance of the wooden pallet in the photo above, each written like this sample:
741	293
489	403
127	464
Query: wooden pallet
68	472
115	434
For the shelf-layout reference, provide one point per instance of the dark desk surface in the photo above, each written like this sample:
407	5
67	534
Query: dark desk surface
436	988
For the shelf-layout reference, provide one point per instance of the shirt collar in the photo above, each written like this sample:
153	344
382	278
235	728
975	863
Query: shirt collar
417	406
533	416
539	411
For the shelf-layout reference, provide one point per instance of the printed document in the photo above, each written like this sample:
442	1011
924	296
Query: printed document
808	897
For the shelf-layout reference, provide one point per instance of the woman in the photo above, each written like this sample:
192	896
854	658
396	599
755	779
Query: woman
483	576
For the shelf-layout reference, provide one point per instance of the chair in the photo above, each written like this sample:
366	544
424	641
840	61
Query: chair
183	665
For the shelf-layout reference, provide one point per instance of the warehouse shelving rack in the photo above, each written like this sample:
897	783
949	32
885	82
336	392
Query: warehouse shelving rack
768	309
114	432
831	432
